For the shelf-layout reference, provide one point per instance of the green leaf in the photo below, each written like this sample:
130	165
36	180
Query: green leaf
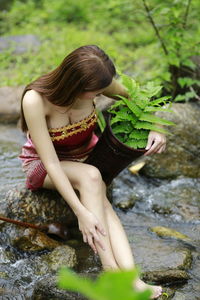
133	143
149	126
142	103
151	89
132	106
101	120
129	83
154	119
139	134
160	101
154	109
110	285
116	104
123	127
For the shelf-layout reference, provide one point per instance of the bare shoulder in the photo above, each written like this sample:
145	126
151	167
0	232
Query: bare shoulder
32	99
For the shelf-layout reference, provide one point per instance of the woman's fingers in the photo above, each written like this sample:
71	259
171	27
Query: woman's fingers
100	229
91	243
97	240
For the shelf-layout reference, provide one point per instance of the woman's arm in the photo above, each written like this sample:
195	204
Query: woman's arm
115	88
33	107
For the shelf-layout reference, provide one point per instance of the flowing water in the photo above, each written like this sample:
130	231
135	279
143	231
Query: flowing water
18	270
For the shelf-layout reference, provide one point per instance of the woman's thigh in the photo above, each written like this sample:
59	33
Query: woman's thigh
77	173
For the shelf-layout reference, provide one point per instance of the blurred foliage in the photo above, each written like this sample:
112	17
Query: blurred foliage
110	285
150	40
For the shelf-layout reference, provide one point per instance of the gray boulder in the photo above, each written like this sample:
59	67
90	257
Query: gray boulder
10	103
182	156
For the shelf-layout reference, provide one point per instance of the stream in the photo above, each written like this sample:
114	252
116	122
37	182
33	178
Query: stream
172	204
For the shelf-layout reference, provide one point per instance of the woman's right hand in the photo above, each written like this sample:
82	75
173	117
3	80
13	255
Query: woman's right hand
90	228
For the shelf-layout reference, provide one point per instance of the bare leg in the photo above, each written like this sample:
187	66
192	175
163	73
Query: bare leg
122	250
87	180
118	253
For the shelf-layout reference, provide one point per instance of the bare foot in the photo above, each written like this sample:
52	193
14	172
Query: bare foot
140	285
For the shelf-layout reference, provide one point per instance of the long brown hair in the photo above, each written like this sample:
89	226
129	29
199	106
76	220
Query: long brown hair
87	68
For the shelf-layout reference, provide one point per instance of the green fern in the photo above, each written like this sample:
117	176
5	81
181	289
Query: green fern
133	118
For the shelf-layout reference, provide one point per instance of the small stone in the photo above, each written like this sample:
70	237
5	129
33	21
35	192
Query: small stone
168	232
126	204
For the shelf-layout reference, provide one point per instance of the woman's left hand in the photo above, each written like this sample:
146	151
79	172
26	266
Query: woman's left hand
156	143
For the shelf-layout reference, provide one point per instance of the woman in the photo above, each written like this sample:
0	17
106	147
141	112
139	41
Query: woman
59	117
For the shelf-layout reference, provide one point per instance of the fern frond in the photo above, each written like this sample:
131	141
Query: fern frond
132	106
139	134
129	83
101	120
142	103
116	104
149	126
123	115
162	100
154	109
150	89
154	119
132	143
123	127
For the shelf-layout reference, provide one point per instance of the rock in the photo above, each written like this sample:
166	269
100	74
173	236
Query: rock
48	289
41	207
34	240
6	256
10	104
168	232
180	296
166	276
127	204
178	197
161	256
181	157
3	275
19	43
60	256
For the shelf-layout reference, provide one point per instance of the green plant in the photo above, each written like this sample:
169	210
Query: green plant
134	117
177	30
110	285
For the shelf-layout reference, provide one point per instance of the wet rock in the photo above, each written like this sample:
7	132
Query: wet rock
167	294
180	296
154	254
3	275
179	197
169	233
34	240
162	257
47	289
39	207
6	256
60	256
10	103
19	43
181	157
166	276
127	204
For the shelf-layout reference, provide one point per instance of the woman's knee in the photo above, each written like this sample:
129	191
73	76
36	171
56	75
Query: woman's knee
92	177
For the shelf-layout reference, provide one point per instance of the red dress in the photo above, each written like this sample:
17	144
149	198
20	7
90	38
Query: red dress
71	142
